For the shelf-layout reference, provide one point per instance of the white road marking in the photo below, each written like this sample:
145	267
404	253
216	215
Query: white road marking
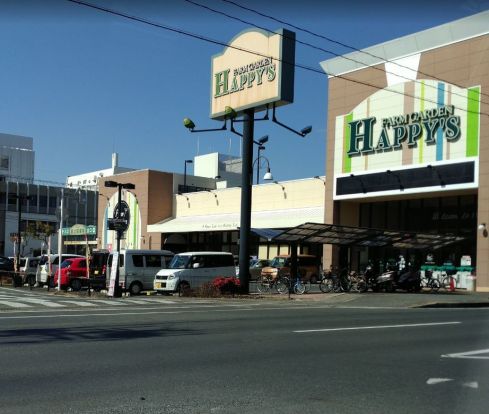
152	311
151	300
469	355
43	302
356	328
78	303
108	302
434	381
473	384
14	304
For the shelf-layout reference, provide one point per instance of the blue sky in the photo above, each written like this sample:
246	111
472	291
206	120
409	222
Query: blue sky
84	83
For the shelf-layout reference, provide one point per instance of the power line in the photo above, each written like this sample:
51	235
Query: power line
438	88
335	42
224	44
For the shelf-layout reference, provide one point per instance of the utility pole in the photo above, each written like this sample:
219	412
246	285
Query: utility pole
60	237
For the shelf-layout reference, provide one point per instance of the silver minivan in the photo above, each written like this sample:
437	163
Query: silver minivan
193	269
137	268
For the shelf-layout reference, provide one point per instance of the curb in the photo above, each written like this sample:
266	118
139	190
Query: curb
453	305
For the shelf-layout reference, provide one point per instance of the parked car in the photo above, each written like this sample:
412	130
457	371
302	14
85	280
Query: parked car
193	269
138	268
43	268
307	266
71	270
256	267
28	269
98	263
6	267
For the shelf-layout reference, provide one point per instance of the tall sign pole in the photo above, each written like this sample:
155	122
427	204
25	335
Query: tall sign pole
244	83
246	187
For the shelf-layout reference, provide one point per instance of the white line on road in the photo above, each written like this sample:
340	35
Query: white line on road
469	355
108	302
14	304
434	381
356	328
77	303
42	302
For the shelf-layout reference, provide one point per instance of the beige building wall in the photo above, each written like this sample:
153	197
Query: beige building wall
265	197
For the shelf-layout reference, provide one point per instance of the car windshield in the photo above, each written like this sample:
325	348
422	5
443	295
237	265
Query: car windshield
278	262
179	262
65	264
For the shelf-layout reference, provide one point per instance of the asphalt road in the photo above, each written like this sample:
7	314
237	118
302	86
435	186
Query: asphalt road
244	357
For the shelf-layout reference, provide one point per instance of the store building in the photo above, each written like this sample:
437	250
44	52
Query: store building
162	217
408	142
209	220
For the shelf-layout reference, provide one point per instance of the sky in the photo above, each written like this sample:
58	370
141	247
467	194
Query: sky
84	83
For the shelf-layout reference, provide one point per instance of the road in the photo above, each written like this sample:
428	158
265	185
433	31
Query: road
243	357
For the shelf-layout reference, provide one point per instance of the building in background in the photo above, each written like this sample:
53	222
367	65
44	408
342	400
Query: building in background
16	158
408	143
41	211
89	180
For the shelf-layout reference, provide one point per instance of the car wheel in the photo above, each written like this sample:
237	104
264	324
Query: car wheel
183	287
31	280
76	285
135	288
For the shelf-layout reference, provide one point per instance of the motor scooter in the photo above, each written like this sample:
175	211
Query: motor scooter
386	281
409	280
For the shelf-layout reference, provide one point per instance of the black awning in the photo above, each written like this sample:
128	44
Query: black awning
362	236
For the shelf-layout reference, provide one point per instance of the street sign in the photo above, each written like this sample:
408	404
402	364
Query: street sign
122	217
79	230
117	224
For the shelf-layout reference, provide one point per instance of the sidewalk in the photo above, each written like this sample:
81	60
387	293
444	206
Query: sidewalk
396	300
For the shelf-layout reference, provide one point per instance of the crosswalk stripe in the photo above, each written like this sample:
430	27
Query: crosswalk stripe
109	302
14	304
155	300
74	302
43	302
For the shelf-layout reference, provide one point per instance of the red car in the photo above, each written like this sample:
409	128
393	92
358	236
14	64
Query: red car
70	270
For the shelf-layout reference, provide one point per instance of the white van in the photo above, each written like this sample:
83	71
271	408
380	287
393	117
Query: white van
138	268
194	269
43	268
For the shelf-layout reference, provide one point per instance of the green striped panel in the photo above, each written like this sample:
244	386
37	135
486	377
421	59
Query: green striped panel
346	140
473	107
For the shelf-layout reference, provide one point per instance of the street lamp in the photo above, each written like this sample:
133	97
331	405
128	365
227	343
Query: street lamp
261	147
20	199
185	174
268	175
120	226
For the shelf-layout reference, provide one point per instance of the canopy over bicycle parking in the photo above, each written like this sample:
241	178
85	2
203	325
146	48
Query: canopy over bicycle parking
357	236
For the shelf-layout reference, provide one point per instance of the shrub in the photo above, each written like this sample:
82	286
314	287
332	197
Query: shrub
226	285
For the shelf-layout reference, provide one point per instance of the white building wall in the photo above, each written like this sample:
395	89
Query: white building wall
20	155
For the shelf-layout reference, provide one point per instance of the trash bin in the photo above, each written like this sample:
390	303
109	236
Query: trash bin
471	283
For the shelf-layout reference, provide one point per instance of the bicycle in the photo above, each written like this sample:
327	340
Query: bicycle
447	279
265	284
332	282
427	281
299	287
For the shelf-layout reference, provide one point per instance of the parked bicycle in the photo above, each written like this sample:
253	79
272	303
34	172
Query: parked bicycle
265	284
430	283
337	281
